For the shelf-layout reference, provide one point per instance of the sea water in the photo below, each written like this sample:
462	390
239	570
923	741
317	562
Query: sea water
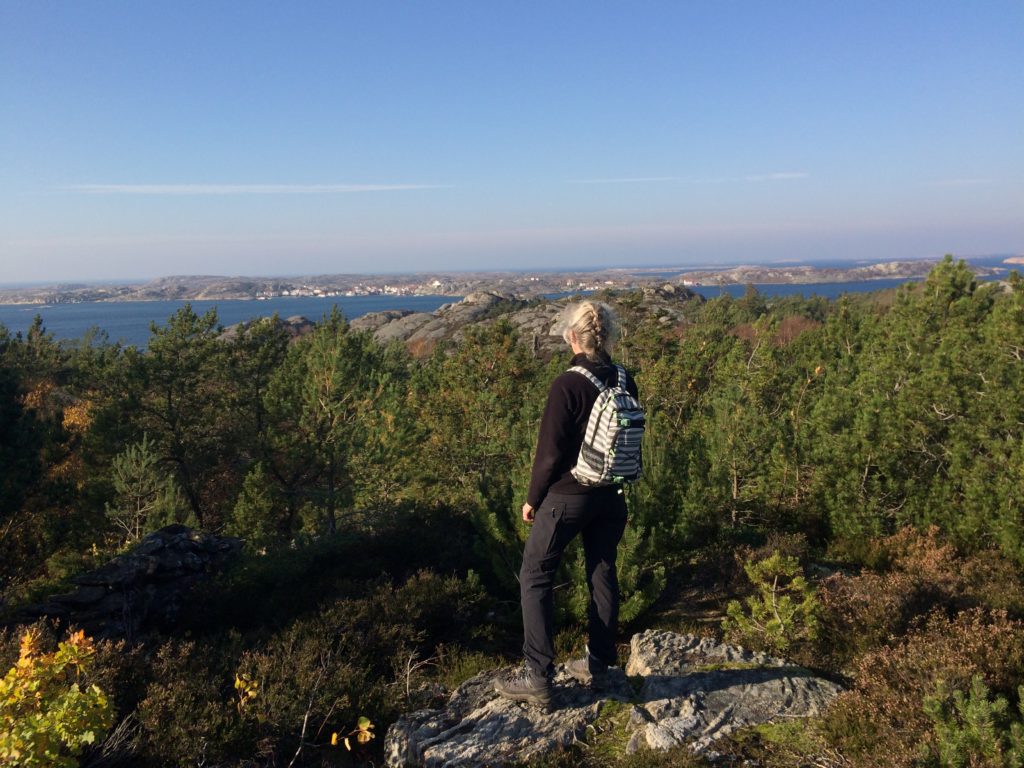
129	321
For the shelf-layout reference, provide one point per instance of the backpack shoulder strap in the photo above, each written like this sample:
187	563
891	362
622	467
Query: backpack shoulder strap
593	379
621	383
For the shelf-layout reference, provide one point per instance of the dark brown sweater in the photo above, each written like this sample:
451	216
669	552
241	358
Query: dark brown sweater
570	400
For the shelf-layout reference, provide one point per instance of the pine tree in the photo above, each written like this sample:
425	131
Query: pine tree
256	516
145	497
180	390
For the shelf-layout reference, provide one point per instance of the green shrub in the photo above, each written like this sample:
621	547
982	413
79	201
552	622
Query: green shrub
145	497
973	730
456	665
47	715
187	715
270	591
256	516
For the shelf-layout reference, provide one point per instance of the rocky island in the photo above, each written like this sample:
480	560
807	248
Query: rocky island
522	284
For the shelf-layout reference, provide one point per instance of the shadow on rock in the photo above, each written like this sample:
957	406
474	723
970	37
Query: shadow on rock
693	691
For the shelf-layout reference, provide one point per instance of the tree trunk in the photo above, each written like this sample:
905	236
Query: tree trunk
331	525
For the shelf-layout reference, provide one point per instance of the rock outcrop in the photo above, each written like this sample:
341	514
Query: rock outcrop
423	330
534	320
695	690
143	589
295	326
680	690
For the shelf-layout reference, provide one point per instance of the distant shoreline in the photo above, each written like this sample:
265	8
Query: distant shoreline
522	284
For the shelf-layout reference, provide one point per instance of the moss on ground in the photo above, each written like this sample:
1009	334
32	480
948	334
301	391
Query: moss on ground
781	744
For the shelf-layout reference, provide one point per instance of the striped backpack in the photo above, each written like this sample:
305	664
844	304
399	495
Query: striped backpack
611	450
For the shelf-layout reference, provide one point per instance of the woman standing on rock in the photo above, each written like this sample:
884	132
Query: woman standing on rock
559	506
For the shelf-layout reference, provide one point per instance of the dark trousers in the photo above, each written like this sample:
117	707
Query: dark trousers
600	518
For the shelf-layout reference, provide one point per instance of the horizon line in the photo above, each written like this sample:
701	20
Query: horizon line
700	266
242	189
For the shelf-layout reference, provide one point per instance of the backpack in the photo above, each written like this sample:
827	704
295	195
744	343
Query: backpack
611	450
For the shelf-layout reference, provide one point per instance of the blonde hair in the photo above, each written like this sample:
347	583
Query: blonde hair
595	327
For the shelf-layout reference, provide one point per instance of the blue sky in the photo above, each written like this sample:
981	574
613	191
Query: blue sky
141	139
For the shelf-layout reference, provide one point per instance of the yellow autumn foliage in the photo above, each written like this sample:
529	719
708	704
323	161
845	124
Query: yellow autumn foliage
35	397
47	714
363	734
78	417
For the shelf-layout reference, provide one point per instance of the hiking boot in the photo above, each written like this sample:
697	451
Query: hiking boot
588	671
524	685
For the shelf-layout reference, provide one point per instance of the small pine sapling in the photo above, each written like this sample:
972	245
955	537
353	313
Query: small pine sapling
784	609
973	729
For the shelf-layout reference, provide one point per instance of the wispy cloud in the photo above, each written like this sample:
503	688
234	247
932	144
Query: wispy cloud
241	189
980	182
784	176
628	180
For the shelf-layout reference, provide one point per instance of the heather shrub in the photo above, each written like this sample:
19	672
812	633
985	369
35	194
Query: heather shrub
271	697
882	721
917	572
351	659
187	715
983	578
860	613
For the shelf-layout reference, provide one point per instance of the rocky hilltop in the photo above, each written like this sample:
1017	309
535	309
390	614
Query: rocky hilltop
534	319
422	331
798	275
677	690
214	287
